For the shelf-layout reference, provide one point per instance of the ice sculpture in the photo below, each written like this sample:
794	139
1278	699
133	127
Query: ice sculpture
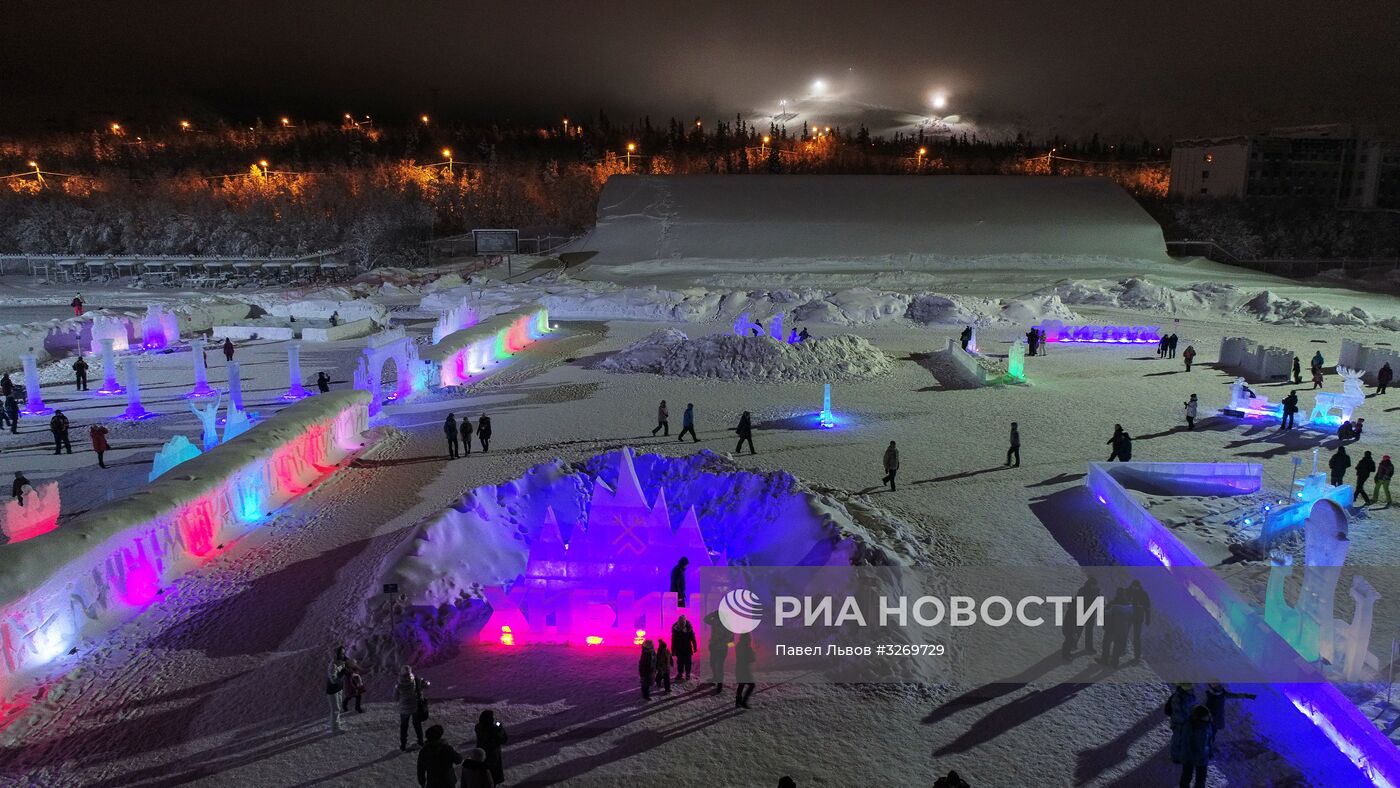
113	328
1258	361
201	372
159	329
825	419
208	413
295	390
1355	637
744	327
236	423
618	563
1245	401
134	410
1369	359
1056	331
1308	625
38	515
175	451
34	399
455	319
1016	361
235	387
109	369
1351	397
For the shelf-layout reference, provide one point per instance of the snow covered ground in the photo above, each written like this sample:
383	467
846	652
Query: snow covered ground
220	683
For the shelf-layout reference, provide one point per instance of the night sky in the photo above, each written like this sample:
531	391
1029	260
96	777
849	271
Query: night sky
1120	67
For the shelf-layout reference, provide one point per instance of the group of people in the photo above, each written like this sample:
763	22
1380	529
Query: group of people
663	426
1194	727
1166	347
1035	341
1125	615
452	430
655	662
1366	468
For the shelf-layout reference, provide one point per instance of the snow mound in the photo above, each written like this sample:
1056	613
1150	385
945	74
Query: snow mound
1217	298
729	357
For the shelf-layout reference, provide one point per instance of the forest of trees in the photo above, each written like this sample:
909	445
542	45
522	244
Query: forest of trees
381	192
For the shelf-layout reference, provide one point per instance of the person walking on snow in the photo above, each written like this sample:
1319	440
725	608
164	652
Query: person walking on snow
491	737
1013	450
1297	371
449	428
646	668
1142	615
1115	442
7	386
1118	619
1339	464
354	682
77	304
1194	747
1364	468
1216	695
466	431
1087	595
98	435
475	772
663	666
323	382
688	423
744	657
80	370
408	694
1191	406
1383	378
58	425
1188	355
12	413
1171	346
678	580
483	434
1384	472
1290	410
745	431
891	463
20	482
437	761
965	337
1317	363
228	349
663	420
717	649
684	646
335	686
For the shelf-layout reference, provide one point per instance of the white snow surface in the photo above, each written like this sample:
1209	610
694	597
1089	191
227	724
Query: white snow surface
729	357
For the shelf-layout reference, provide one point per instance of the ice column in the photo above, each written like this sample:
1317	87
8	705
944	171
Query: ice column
201	375
296	390
134	410
34	400
235	387
1016	361
826	420
109	368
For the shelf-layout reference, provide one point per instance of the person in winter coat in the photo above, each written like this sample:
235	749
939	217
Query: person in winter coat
77	304
663	666
1115	442
1216	695
744	657
12	413
466	431
1124	448
1171	345
1290	409
1384	472
58	425
678	580
663	420
437	761
683	645
20	483
4	412
965	337
1031	342
98	434
80	370
228	349
717	648
1346	432
7	386
1188	355
1142	615
951	780
688	423
1086	595
1191	406
745	431
646	668
1193	746
1317	378
1162	347
449	428
491	737
891	464
1383	378
323	382
483	432
475	772
1364	468
354	682
1339	464
1014	449
1118	620
335	686
1297	372
1317	363
408	694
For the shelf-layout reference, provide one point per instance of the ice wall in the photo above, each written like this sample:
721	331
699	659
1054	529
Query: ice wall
1255	361
38	515
1368	359
107	565
459	356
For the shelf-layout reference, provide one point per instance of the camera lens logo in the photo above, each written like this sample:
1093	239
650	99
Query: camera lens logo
740	611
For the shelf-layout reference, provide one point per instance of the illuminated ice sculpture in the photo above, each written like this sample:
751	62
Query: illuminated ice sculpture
1244	401
38	515
1056	331
235	387
160	329
825	419
175	451
455	319
134	410
235	423
1351	397
463	355
201	372
745	327
1016	361
208	414
618	560
33	398
295	390
380	349
116	329
110	384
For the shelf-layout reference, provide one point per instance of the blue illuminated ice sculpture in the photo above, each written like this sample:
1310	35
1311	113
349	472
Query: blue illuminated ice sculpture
825	419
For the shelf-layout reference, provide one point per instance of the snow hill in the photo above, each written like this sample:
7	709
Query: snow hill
912	222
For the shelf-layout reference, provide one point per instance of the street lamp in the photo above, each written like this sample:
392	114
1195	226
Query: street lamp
286	122
631	148
764	150
448	153
920	160
116	128
424	119
566	127
263	163
184	125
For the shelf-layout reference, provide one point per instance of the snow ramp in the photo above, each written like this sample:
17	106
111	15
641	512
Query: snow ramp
872	221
